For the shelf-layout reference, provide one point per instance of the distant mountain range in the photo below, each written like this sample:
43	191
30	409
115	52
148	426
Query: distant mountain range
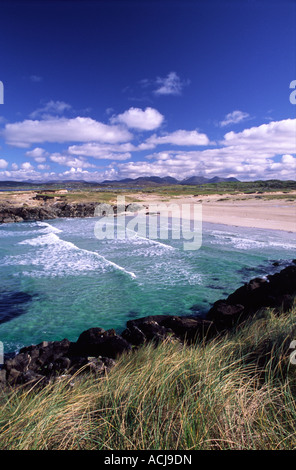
192	180
142	180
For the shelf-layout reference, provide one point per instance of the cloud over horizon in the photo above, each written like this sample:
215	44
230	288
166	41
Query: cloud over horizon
264	151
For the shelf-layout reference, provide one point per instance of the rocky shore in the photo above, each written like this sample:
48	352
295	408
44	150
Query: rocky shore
96	349
13	213
53	210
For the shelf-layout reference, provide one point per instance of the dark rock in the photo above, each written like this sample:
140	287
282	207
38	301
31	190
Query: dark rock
38	359
41	363
134	335
108	363
160	327
225	315
285	302
46	353
96	365
2	377
61	365
48	210
97	342
146	329
154	331
14	376
283	282
19	363
253	295
31	377
276	291
90	336
190	329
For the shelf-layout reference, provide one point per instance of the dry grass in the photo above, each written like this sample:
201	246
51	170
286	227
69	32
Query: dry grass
236	392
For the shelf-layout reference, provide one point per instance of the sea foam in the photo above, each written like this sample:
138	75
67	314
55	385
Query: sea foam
60	257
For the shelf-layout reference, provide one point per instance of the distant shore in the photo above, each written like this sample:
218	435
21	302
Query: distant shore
276	211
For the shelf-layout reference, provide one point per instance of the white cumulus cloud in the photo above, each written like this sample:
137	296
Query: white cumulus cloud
103	151
73	162
27	166
179	137
3	163
136	118
79	129
38	153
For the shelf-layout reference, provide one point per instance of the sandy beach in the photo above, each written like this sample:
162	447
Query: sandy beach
243	210
239	210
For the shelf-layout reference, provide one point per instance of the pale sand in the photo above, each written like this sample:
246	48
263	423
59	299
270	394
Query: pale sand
238	210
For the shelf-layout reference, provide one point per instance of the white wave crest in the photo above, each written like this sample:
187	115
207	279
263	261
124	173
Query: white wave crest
62	256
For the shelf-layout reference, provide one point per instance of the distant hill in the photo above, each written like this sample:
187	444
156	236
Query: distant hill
140	181
11	184
166	180
194	180
203	180
144	180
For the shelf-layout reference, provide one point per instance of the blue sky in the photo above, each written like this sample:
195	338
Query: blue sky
98	90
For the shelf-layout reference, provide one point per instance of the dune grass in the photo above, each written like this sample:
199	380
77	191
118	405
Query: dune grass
234	392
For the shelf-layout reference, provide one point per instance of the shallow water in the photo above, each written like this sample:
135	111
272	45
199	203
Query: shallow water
58	279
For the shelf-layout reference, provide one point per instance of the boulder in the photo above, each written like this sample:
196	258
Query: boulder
98	342
225	315
133	335
252	295
189	328
48	360
160	327
35	358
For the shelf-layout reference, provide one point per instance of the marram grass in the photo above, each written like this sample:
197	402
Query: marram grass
235	392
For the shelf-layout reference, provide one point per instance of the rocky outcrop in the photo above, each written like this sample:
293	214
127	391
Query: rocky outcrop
161	327
98	342
10	213
275	291
46	361
52	210
96	350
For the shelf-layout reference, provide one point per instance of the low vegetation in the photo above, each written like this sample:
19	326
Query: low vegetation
233	392
92	192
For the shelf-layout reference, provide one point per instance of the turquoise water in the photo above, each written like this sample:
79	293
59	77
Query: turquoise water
58	279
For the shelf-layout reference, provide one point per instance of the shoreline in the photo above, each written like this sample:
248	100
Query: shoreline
241	210
97	349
